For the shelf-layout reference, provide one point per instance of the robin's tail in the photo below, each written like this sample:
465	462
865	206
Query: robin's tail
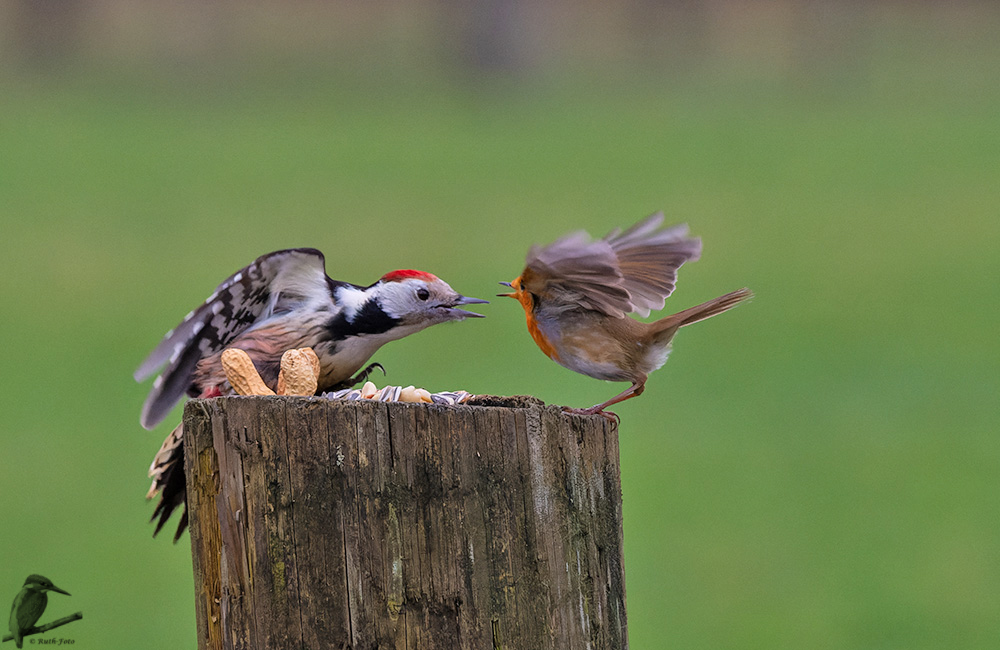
702	311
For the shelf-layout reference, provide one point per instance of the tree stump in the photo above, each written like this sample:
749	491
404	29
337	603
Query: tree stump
322	523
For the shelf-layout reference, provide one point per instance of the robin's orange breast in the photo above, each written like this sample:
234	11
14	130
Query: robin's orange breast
543	343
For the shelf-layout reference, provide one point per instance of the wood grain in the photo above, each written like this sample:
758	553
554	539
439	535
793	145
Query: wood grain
332	524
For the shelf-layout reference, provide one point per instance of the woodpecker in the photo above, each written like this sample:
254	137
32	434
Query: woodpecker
29	605
283	300
576	293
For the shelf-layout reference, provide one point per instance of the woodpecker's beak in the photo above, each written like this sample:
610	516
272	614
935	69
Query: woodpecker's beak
461	313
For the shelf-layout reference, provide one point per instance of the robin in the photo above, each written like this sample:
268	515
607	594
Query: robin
576	293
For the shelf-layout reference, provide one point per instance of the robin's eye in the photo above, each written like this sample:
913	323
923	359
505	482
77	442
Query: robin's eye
423	294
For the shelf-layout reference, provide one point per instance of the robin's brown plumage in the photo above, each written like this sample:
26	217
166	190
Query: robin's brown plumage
576	293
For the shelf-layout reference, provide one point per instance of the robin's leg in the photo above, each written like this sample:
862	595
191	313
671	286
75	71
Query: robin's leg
598	409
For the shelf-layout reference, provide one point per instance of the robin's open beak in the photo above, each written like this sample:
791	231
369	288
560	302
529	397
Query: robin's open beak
507	295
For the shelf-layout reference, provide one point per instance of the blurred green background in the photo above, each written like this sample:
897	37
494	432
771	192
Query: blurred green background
817	469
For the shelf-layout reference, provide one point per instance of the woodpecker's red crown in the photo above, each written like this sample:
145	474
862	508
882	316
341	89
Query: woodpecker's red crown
405	274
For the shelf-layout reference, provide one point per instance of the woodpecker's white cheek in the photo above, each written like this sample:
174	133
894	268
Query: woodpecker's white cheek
399	299
392	306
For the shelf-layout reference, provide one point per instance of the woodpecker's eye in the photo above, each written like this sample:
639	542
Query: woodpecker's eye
423	294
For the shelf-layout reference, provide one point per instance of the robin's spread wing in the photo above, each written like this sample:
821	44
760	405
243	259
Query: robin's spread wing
272	283
649	258
631	271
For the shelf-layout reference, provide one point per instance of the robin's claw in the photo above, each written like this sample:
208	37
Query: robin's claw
608	415
612	417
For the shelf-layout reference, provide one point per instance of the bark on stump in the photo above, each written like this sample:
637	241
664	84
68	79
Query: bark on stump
333	524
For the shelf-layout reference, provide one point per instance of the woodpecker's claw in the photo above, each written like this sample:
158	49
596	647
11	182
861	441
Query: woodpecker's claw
350	382
363	375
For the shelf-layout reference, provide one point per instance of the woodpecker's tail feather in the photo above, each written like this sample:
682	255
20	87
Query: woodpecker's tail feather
167	472
701	312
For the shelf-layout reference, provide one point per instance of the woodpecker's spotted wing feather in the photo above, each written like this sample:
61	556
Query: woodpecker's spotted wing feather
271	284
631	271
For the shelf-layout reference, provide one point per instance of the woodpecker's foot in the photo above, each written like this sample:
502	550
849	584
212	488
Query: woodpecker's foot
363	375
593	410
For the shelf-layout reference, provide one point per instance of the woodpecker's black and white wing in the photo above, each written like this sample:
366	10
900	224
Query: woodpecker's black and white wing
630	271
273	283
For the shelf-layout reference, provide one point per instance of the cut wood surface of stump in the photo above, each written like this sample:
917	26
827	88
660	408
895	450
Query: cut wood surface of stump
321	523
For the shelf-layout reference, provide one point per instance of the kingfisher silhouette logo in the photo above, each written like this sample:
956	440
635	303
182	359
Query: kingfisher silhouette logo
28	607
